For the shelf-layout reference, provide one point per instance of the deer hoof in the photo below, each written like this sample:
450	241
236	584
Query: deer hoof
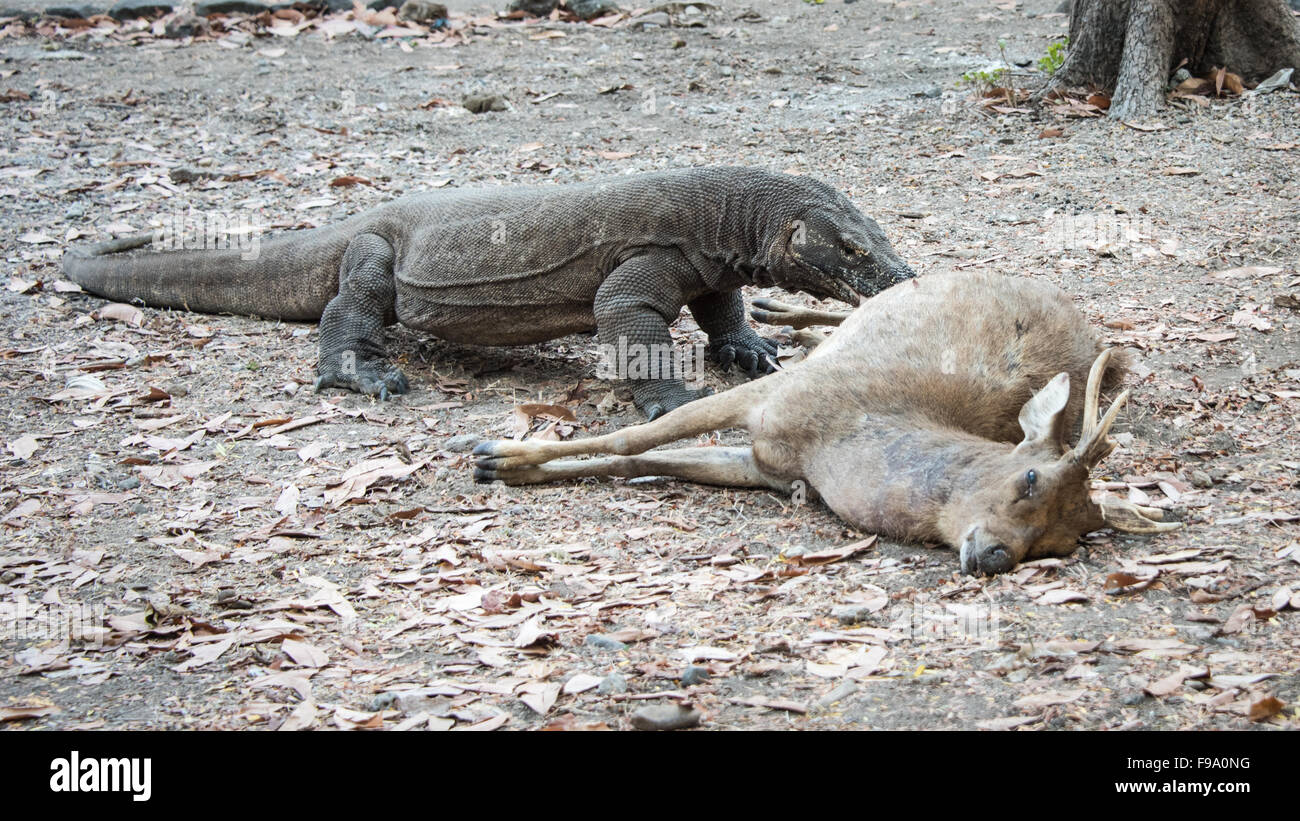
496	447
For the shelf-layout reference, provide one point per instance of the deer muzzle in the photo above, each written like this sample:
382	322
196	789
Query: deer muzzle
983	555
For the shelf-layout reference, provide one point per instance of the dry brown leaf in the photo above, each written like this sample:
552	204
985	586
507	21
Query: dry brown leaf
557	413
21	713
773	704
833	555
1266	708
355	481
1121	582
1062	597
1007	722
302	717
1216	336
694	654
304	654
1038	701
540	697
1172	682
129	314
531	634
581	683
24	446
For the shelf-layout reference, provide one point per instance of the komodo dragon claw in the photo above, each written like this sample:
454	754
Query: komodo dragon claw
754	354
378	381
654	408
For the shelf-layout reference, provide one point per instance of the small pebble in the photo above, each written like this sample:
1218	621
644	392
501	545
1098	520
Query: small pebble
694	675
383	701
851	613
611	684
665	717
463	443
657	18
604	643
482	103
840	693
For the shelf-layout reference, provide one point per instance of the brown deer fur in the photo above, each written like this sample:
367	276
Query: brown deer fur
920	418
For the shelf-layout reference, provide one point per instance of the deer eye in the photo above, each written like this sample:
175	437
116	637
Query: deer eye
1031	480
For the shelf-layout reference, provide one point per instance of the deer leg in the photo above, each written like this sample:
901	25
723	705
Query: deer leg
809	339
728	409
772	312
724	466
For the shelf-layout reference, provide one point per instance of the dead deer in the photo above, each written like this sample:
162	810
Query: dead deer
936	412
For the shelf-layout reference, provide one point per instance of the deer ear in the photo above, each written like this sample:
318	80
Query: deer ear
1043	416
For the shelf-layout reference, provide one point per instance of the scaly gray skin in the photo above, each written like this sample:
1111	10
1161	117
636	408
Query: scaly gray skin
515	266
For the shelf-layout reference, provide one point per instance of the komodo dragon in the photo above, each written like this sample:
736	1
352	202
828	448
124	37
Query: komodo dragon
515	266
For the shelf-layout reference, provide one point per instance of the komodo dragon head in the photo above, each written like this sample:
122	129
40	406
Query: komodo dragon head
831	249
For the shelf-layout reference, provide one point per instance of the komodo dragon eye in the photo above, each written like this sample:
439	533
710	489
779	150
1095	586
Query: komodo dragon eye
851	250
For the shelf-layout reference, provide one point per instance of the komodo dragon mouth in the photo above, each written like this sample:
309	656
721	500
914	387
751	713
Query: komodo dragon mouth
824	285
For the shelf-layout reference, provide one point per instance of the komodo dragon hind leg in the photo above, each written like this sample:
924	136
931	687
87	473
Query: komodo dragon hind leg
723	466
633	308
352	351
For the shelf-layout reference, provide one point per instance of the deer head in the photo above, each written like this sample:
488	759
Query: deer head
1035	501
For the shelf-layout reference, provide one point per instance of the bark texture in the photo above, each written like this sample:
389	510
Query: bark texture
1130	47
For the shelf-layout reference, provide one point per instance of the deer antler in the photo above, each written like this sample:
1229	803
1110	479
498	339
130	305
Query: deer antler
1119	514
1093	445
1125	516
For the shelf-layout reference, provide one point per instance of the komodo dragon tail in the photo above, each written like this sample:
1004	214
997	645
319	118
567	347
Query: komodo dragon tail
292	276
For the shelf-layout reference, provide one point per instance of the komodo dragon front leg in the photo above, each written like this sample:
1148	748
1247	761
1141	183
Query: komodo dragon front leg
634	307
722	317
352	353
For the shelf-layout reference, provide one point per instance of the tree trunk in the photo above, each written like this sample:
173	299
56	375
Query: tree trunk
1130	47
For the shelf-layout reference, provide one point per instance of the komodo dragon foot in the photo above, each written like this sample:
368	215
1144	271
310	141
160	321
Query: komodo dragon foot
373	377
754	354
655	397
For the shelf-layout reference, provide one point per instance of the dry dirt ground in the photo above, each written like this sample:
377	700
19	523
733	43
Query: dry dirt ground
229	549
